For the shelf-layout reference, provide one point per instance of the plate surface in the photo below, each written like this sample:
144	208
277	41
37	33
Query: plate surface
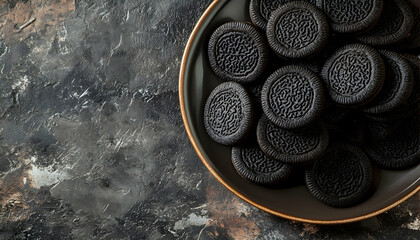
197	80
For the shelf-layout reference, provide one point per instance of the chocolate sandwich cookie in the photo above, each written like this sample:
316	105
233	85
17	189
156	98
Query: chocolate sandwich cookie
354	74
398	114
394	25
238	52
342	177
253	165
413	40
255	88
314	65
292	97
415	66
352	16
260	10
228	113
297	30
377	131
293	146
399	150
397	86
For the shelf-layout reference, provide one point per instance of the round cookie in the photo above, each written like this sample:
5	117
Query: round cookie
292	97
398	114
260	10
228	113
397	86
314	65
237	51
255	88
253	165
354	74
415	66
352	16
292	146
399	150
297	30
413	40
395	24
377	131
342	177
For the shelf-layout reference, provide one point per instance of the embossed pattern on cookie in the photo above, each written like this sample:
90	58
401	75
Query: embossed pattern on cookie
352	16
260	10
398	84
294	146
342	177
395	23
297	30
228	113
354	74
253	165
292	97
237	52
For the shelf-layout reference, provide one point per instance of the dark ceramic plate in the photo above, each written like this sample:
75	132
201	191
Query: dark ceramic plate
294	202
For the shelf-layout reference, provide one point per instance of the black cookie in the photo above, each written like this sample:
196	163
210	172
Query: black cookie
297	30
292	97
342	177
354	74
228	113
377	131
398	114
352	16
253	165
260	10
397	86
395	24
415	66
413	40
315	65
238	52
399	150
292	146
255	88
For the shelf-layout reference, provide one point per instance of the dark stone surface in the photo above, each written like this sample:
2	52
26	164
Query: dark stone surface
92	144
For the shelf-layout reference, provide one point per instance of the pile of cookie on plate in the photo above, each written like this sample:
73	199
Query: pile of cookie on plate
331	87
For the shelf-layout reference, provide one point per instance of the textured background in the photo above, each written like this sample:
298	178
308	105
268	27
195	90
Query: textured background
92	144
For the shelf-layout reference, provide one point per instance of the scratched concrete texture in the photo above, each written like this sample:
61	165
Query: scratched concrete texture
92	144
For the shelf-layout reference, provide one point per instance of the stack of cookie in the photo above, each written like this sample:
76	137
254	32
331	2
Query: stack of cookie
325	86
